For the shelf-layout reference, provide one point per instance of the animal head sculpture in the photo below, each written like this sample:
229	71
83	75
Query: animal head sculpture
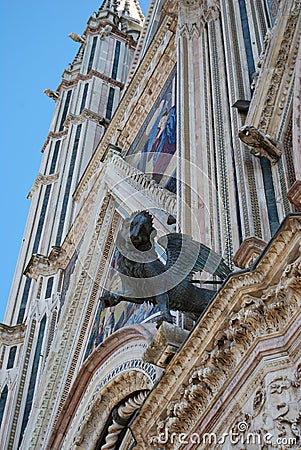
142	231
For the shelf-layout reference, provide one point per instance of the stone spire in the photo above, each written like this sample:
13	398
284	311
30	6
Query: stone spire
128	8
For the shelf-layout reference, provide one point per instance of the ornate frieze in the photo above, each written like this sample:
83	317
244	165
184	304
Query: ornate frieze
272	417
42	179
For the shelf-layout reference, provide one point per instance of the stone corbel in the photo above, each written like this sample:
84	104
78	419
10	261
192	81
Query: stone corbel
261	144
46	265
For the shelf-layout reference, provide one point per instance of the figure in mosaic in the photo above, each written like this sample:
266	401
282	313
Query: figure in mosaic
162	277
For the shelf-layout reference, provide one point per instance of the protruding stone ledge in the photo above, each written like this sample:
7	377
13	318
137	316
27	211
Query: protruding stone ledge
248	252
12	335
165	344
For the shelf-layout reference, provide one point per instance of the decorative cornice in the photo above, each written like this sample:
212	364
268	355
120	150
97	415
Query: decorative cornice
93	73
46	265
12	335
42	179
53	135
105	28
252	305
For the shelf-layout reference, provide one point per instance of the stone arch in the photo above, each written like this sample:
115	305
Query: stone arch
114	371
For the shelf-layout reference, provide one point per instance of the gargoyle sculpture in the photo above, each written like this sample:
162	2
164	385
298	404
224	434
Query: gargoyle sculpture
262	144
145	277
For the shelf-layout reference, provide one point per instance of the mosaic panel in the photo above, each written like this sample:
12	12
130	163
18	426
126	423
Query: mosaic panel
153	149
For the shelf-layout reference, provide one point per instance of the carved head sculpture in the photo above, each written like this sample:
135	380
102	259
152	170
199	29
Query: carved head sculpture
142	230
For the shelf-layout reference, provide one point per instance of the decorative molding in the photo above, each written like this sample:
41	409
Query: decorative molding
52	135
12	335
101	378
98	412
121	418
42	179
158	196
93	73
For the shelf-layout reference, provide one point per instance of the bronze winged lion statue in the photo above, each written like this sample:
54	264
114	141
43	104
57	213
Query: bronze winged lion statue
164	280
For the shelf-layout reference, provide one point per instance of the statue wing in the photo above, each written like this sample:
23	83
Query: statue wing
186	254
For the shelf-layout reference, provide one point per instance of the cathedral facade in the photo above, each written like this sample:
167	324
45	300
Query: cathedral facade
191	113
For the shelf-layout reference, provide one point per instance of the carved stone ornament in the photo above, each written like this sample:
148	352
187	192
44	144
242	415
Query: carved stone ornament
54	95
77	38
261	144
275	421
194	14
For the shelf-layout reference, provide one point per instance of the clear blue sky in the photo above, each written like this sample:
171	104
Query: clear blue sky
35	50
